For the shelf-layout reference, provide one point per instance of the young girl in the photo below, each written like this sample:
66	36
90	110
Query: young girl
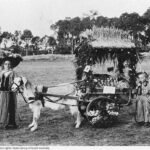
143	100
7	98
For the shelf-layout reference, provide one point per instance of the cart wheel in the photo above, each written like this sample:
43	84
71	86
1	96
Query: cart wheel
102	112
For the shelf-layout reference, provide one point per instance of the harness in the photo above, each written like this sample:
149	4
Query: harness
18	89
32	99
60	97
41	95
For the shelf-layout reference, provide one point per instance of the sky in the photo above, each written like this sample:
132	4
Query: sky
38	15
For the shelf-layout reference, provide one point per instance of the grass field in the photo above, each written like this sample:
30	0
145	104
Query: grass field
56	127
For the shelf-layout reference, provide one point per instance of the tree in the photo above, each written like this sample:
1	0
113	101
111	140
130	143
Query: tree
147	32
75	30
75	26
145	37
69	29
131	22
52	43
16	37
63	29
146	15
27	36
86	23
113	22
5	36
35	41
44	43
101	21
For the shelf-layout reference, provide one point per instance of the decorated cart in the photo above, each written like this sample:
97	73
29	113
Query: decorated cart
102	95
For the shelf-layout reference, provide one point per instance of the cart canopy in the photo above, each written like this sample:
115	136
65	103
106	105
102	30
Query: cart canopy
101	44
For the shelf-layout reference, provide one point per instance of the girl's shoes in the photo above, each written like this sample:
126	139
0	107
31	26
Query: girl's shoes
11	126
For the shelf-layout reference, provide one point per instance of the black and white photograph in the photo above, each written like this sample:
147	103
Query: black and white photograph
74	73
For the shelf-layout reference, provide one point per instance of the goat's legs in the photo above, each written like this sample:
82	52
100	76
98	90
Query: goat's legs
78	120
75	112
31	125
36	109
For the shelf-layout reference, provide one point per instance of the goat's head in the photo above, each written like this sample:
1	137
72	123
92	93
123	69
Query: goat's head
20	83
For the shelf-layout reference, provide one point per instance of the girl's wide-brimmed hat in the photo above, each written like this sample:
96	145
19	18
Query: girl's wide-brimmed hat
15	59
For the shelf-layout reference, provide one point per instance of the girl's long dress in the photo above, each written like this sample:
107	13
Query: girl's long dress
143	105
7	99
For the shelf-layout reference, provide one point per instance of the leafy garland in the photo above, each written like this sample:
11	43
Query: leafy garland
85	54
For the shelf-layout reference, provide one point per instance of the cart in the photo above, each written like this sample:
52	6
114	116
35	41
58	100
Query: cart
102	95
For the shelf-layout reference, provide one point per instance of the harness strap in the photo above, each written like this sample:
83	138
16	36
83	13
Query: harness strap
23	97
39	96
31	98
62	97
48	99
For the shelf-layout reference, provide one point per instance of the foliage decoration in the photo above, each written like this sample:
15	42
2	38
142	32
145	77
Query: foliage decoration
100	45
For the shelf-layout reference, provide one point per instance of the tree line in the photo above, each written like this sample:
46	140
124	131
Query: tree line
69	29
68	32
26	43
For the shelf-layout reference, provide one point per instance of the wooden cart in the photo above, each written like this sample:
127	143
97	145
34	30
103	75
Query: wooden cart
101	101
